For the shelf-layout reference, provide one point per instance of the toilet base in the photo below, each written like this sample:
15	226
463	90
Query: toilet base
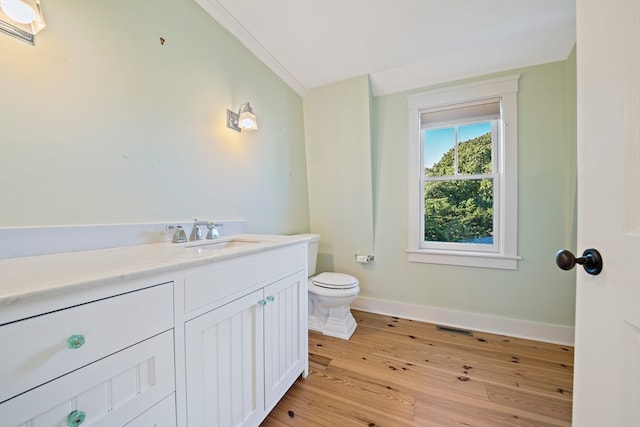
339	324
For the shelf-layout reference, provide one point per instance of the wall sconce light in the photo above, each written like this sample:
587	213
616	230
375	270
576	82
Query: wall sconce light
244	119
21	19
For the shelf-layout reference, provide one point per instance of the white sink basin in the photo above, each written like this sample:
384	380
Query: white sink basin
214	245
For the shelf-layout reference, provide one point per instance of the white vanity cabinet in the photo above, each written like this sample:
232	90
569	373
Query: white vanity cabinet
161	335
100	363
243	355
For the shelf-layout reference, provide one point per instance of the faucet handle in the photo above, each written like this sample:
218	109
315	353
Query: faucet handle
179	236
196	232
213	231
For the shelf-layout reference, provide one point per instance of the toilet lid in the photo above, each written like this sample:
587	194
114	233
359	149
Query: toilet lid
335	281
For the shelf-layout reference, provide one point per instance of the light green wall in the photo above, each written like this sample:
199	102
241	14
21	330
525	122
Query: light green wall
338	140
100	123
538	291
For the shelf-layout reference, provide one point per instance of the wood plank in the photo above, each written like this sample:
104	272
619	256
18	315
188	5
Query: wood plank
300	412
515	399
484	370
482	341
399	372
449	410
345	386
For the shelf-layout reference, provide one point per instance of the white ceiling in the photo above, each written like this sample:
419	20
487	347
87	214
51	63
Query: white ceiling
400	44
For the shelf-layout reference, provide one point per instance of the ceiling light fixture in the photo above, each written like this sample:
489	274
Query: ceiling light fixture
21	19
244	119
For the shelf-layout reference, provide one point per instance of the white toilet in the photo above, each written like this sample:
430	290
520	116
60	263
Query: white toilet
330	295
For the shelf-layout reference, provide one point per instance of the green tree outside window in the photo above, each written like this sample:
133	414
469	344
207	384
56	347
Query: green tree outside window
461	209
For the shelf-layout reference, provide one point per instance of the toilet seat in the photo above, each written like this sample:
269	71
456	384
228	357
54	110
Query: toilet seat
335	281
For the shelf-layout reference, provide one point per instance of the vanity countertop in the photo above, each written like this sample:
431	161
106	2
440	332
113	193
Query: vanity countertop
36	277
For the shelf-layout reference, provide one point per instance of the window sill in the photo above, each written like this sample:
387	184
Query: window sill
467	259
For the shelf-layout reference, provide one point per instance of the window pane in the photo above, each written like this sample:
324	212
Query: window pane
474	149
439	151
459	211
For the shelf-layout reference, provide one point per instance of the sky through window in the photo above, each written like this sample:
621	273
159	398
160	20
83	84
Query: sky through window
439	141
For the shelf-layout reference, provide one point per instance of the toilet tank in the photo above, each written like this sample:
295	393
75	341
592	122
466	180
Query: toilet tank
313	252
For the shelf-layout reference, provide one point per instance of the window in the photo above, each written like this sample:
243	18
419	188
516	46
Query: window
463	175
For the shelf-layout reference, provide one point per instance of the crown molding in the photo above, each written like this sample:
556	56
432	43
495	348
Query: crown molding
222	15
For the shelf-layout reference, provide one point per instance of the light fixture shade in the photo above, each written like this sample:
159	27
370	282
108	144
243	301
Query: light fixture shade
21	18
244	119
247	120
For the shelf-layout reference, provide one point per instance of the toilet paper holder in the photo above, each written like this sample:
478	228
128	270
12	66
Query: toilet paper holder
363	259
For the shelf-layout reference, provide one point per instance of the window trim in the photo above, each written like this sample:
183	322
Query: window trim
506	216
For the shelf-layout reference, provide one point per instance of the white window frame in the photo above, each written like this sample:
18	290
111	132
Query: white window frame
503	254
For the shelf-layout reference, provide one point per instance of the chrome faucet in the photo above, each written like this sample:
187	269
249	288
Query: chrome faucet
213	231
179	236
196	232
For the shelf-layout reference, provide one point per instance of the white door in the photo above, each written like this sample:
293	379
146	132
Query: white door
607	356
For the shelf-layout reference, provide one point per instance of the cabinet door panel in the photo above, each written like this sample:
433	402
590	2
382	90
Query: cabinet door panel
224	360
284	331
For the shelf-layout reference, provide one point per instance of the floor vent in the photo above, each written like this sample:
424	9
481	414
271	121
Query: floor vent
454	330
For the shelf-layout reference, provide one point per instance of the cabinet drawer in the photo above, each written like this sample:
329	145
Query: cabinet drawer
107	393
161	415
219	283
39	349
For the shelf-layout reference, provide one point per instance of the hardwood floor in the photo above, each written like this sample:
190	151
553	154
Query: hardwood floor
397	372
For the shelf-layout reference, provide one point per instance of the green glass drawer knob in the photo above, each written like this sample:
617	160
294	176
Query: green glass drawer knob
75	418
262	302
270	298
75	341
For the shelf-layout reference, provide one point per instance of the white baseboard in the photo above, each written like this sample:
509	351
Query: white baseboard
543	332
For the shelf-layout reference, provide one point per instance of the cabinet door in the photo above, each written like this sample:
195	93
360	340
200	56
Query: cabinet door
285	343
224	365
